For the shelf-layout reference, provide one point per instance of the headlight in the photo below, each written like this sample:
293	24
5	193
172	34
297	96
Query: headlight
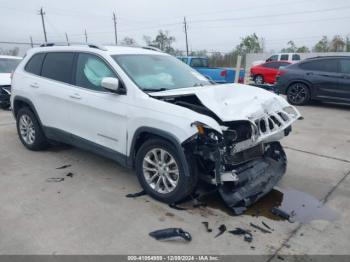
206	130
290	110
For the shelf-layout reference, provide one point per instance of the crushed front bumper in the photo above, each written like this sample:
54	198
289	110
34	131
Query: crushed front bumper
254	179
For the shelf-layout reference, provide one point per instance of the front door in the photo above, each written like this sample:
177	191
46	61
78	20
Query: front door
96	115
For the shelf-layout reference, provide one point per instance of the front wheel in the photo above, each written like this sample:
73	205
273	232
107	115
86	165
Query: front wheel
161	173
259	79
298	94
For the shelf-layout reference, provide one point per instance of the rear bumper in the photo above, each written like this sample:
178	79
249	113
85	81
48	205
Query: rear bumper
255	179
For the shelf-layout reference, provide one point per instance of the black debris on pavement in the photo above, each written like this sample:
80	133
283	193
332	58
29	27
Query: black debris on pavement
279	212
138	194
222	228
267	226
248	237
63	167
280	258
55	179
176	207
171	234
260	228
206	224
70	174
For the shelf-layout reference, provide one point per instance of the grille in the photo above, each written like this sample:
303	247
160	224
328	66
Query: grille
272	122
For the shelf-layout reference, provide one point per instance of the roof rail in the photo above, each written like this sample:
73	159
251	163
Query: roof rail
69	44
151	48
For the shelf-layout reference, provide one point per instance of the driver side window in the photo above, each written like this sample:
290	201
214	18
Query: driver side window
90	72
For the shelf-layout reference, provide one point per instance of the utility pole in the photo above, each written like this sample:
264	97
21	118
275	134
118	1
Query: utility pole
185	27
31	41
86	38
115	28
67	39
42	13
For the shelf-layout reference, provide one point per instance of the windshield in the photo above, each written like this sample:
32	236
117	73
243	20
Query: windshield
8	65
159	72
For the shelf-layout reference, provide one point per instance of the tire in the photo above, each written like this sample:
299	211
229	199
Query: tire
5	106
298	94
147	167
29	130
259	80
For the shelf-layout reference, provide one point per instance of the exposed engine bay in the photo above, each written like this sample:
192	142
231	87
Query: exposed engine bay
245	161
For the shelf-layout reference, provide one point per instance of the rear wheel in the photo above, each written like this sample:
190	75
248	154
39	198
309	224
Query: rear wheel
298	94
29	130
259	79
161	172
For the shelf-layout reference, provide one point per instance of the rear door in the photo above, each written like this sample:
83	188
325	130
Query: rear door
344	80
324	75
270	71
51	89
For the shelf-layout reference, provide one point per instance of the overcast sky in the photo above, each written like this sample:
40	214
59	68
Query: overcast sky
213	24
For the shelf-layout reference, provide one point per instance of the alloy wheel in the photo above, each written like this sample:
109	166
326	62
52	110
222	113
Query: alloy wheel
160	170
27	130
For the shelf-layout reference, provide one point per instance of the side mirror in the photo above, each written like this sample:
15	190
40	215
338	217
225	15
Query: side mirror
111	84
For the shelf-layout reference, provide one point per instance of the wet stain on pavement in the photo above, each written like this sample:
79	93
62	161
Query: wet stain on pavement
301	206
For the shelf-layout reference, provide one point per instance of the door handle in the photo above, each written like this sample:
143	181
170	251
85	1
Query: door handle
34	85
75	96
309	73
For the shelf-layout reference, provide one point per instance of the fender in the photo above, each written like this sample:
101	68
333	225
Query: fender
29	103
160	133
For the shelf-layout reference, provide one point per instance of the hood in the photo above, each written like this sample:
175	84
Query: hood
232	102
5	79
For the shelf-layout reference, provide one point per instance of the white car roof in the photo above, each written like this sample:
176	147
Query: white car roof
10	57
110	50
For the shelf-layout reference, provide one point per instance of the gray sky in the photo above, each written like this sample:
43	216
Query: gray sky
213	24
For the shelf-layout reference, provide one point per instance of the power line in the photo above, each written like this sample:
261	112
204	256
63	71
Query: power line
271	15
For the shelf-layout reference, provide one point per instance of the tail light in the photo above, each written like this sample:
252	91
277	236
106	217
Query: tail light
281	72
223	73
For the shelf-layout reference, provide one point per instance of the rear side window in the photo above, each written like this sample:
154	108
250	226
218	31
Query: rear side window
274	65
324	65
58	66
284	57
295	57
345	66
35	64
199	62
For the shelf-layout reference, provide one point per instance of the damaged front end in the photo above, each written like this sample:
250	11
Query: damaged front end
245	161
241	156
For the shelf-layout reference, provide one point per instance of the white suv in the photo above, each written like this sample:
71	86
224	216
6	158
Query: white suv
149	111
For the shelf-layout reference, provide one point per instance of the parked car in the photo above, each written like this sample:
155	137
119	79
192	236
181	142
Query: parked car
8	64
267	72
149	111
290	57
220	75
321	78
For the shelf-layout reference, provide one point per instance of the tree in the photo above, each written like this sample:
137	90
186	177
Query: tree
337	44
292	48
322	45
128	41
14	51
249	44
163	41
348	44
303	49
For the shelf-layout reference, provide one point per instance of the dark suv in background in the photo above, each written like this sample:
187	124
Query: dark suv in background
320	78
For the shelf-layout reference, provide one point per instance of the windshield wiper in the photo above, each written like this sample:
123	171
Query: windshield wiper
154	89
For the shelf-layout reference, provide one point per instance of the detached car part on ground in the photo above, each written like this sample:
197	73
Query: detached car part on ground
5	94
149	111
